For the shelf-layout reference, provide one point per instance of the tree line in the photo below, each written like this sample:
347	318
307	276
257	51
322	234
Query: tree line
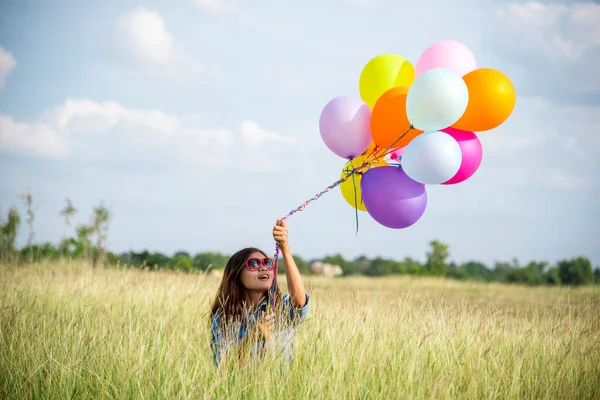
88	244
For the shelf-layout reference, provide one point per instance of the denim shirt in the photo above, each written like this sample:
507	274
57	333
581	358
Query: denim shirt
282	338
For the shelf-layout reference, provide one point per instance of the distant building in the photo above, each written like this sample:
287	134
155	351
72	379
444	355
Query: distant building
325	269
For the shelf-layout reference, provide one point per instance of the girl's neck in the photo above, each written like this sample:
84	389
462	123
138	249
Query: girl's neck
254	298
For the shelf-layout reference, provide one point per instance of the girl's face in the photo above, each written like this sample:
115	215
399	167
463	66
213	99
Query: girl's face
257	273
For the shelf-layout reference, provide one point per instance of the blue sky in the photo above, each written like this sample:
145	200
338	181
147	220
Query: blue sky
196	123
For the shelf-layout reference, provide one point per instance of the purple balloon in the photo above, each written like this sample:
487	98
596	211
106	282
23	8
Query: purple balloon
345	126
472	154
392	198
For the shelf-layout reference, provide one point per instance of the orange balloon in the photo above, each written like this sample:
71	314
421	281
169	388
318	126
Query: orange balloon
389	124
492	99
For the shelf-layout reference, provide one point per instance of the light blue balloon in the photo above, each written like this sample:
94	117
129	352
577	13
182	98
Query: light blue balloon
432	158
436	99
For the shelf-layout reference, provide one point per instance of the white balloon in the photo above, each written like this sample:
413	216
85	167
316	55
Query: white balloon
436	99
432	158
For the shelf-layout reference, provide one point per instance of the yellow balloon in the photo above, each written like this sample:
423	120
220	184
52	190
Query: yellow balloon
347	187
382	73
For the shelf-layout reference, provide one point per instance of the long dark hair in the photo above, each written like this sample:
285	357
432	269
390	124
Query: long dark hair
230	301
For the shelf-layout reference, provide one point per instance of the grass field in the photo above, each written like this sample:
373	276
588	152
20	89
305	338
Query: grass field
70	331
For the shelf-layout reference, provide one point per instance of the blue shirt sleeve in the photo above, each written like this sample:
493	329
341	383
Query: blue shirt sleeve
297	315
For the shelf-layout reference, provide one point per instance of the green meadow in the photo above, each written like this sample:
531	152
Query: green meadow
68	330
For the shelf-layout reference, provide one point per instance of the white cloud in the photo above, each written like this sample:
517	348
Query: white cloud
576	149
252	133
502	144
7	64
555	30
203	137
146	39
560	179
148	36
84	116
554	49
36	139
80	127
85	129
216	6
543	145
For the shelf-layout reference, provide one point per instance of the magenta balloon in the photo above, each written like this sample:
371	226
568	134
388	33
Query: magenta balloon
472	153
392	198
345	126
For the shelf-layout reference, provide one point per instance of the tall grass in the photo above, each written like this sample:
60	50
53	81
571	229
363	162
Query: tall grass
71	331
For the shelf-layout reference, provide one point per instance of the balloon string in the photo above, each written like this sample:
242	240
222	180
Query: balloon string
390	150
355	201
349	172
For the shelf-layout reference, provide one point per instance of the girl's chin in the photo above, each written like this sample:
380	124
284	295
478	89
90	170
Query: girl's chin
261	286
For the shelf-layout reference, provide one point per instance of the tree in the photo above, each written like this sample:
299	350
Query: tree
363	264
28	199
576	272
83	236
181	261
412	266
532	274
303	266
349	267
70	248
203	261
39	252
381	266
68	213
101	217
10	228
503	269
436	259
553	277
137	259
471	270
182	253
457	271
158	259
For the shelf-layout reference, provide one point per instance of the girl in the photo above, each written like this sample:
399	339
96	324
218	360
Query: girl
238	315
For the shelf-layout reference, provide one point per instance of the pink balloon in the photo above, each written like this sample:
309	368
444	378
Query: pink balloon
396	154
448	54
345	126
472	153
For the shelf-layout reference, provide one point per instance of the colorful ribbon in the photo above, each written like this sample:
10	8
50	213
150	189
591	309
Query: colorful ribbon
350	173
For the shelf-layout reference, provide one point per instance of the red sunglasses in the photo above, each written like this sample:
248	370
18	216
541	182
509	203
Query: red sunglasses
254	264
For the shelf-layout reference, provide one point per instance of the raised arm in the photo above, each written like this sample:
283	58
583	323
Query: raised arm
294	279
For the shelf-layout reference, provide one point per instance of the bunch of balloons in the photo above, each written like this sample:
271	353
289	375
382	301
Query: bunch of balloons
412	127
